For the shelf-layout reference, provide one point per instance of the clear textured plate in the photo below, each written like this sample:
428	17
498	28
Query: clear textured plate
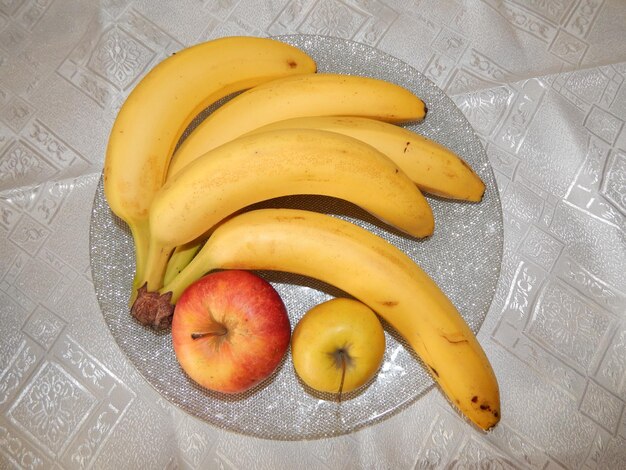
463	257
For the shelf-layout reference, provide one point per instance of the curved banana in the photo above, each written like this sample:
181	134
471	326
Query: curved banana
370	269
259	167
303	95
157	111
434	168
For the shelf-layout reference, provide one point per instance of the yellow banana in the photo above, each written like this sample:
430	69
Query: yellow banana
434	168
157	111
303	95
259	167
370	269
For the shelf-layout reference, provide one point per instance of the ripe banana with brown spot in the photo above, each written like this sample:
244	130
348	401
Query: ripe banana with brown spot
272	164
434	168
370	269
161	106
297	96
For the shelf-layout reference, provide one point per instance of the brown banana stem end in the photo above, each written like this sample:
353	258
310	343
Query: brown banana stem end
153	309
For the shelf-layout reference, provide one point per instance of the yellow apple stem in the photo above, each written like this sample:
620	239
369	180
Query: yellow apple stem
342	355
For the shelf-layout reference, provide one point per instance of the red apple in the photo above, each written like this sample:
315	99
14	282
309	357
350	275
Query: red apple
230	331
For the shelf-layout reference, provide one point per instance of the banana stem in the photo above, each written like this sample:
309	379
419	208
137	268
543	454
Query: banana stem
184	254
192	272
199	265
141	239
156	264
181	257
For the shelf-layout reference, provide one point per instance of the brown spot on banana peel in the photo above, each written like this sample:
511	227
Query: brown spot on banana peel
454	339
458	341
434	371
486	407
289	218
495	413
466	165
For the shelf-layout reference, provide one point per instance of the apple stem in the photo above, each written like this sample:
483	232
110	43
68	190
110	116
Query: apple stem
219	331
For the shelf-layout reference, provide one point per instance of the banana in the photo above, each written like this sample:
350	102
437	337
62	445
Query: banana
373	271
259	167
157	111
434	168
296	96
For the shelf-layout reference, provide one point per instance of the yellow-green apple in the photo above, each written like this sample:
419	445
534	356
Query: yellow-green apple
338	346
230	330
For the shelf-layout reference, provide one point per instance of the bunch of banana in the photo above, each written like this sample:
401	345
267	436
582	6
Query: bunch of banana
433	168
272	164
158	110
373	271
321	94
292	132
337	103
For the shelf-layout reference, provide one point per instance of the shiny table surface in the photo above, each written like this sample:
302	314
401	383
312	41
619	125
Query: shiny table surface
542	83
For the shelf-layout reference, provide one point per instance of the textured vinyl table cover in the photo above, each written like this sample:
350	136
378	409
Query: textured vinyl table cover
542	85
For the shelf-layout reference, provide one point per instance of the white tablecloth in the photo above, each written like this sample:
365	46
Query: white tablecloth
543	84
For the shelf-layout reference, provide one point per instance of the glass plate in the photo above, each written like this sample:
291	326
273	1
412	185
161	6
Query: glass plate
463	257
